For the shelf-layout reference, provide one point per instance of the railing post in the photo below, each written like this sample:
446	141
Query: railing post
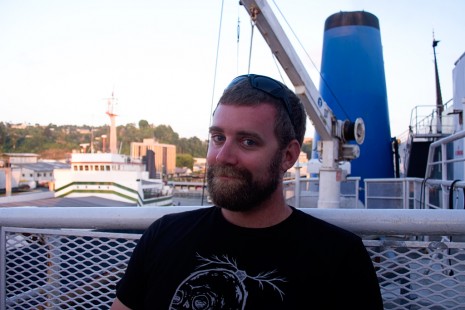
444	194
366	193
2	269
405	192
297	184
357	189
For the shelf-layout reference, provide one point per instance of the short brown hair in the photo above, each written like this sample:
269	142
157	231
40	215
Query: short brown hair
241	92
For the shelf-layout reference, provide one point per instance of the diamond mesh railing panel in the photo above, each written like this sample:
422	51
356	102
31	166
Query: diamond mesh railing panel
57	269
420	274
77	269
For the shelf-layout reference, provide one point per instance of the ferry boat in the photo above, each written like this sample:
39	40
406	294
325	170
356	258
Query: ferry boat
114	176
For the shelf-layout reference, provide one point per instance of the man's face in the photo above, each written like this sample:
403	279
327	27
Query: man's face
244	161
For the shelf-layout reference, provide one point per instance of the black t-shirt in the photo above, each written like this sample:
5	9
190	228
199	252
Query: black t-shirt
198	260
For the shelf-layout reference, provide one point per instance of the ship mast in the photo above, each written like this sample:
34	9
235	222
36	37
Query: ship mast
112	115
439	104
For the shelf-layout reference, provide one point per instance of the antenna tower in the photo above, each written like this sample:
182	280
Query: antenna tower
110	111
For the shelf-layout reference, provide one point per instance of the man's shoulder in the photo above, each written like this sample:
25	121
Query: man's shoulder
178	217
320	226
191	213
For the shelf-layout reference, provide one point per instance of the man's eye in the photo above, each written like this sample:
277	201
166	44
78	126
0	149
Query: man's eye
249	142
218	138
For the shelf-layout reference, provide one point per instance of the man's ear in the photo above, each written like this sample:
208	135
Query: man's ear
291	154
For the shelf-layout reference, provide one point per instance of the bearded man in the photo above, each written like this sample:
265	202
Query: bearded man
251	250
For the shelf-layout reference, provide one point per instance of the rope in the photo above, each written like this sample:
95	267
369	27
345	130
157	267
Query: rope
252	23
237	43
311	61
213	89
451	194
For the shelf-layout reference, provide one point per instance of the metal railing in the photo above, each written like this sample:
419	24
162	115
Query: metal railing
389	193
424	120
303	192
62	258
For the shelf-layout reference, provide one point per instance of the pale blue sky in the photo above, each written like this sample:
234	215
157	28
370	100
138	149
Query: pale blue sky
59	59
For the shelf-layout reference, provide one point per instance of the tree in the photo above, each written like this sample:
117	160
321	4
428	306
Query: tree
307	149
52	141
143	124
3	136
165	134
185	160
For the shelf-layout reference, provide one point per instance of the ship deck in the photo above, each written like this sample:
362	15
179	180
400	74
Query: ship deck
61	257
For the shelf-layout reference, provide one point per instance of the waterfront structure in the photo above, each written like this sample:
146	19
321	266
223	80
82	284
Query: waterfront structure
165	154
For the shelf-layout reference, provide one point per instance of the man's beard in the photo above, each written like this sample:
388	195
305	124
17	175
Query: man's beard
241	192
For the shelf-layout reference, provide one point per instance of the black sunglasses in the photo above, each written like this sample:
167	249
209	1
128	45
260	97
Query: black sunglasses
268	85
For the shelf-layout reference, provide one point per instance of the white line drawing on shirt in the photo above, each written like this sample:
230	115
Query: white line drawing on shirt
221	286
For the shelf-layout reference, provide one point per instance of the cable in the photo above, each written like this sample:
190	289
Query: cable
252	23
451	194
311	61
237	42
213	91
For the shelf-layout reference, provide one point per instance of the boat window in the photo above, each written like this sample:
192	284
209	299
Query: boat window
96	167
80	168
86	168
107	167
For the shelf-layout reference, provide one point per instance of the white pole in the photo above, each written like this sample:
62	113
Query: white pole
330	176
297	185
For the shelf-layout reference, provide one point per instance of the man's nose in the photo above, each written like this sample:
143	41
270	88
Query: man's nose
227	154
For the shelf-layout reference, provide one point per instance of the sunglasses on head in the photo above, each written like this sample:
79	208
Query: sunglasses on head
269	86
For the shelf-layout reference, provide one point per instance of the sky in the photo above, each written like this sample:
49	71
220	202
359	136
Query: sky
168	62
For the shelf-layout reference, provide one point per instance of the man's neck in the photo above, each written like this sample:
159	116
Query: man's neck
269	213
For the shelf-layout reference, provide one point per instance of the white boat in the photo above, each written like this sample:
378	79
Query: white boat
114	176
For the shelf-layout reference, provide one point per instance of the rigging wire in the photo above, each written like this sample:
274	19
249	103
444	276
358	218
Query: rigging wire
252	24
278	67
216	60
213	91
238	40
311	61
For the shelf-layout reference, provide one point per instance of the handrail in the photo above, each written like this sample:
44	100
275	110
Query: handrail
361	221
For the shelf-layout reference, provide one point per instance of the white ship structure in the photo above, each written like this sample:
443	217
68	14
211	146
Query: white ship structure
114	176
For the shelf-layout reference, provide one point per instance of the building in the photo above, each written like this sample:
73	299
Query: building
165	154
26	168
7	159
42	173
199	164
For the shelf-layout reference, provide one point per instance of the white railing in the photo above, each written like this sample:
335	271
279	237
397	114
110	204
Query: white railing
389	193
424	120
303	192
61	258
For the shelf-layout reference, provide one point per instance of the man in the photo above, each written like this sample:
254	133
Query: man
252	250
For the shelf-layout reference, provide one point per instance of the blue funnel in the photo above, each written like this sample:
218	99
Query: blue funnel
354	85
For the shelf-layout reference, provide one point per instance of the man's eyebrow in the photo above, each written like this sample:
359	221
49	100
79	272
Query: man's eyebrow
215	128
252	134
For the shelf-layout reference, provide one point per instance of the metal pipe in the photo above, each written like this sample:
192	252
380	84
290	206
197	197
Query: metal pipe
362	221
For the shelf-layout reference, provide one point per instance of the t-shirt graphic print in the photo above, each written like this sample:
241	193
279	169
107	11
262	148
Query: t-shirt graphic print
219	284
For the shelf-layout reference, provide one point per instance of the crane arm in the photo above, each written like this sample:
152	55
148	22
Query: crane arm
324	121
